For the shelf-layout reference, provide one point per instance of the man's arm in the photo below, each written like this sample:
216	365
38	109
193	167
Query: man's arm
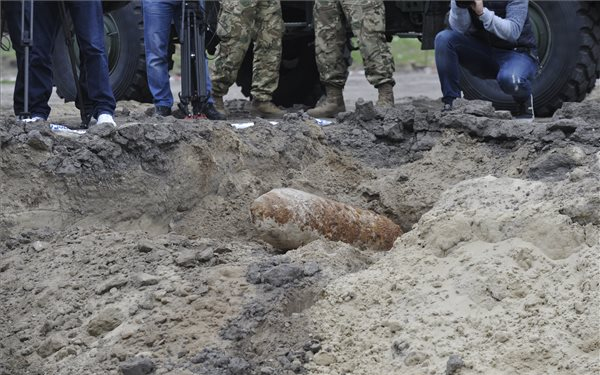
508	28
459	19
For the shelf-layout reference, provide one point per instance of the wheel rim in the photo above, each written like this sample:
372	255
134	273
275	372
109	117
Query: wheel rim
541	30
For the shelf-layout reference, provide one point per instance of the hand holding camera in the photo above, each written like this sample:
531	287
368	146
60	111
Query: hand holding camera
476	5
464	3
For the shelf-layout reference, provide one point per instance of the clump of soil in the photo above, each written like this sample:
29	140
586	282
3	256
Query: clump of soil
132	250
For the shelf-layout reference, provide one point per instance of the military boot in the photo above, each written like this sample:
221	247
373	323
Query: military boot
386	95
219	103
266	109
331	106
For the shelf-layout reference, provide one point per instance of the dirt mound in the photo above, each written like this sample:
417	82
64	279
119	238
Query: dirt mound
132	250
495	274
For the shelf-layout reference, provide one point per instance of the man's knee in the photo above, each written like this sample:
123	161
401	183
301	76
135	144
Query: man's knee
514	84
444	38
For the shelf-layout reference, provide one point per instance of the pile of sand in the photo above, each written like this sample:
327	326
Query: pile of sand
495	274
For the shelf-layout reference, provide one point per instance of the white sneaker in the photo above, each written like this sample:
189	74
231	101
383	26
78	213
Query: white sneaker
105	118
32	119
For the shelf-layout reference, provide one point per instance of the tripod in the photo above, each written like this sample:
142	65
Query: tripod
193	60
27	42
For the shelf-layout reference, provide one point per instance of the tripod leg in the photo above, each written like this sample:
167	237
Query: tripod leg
27	42
186	91
199	62
68	30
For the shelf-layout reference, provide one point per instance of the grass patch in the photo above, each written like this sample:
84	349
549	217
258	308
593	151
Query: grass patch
406	51
10	54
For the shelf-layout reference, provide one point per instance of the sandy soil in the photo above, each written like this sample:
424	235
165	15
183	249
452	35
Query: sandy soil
131	250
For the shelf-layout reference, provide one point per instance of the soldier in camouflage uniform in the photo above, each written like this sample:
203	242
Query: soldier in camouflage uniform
240	22
367	21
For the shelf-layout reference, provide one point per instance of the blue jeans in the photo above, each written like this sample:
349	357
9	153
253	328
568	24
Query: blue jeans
93	70
12	15
158	15
513	70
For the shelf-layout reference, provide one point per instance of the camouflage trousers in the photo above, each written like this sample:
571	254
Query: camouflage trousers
367	21
240	22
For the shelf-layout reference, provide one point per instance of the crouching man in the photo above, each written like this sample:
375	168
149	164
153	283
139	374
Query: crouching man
494	41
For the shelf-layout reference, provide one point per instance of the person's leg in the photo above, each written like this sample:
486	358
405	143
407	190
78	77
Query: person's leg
268	26
367	19
12	15
236	20
89	29
45	30
454	49
517	70
158	15
330	40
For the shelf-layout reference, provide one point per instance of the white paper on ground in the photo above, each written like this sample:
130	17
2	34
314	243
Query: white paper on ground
244	125
323	122
63	129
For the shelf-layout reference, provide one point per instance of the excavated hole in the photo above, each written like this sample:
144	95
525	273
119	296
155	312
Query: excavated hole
144	213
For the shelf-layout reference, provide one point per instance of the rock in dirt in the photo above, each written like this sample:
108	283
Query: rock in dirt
50	346
37	141
39	246
324	359
238	366
186	258
289	218
144	279
137	366
115	282
454	364
107	320
102	130
276	275
311	268
146	246
366	110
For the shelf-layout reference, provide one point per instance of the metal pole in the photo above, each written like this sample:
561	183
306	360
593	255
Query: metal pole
27	42
200	54
185	95
193	64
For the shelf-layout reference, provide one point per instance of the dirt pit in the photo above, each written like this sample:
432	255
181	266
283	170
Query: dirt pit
131	250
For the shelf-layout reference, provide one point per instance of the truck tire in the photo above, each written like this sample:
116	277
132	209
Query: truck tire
124	38
299	81
298	75
568	34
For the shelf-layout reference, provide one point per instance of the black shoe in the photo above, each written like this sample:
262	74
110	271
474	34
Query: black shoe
525	109
212	114
162	111
447	107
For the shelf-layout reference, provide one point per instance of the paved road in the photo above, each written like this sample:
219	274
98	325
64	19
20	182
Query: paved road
409	84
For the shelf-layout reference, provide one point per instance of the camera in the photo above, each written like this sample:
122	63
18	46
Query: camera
464	3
